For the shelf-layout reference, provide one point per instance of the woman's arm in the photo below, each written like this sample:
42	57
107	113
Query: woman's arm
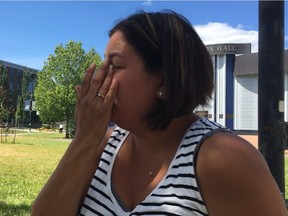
235	180
67	186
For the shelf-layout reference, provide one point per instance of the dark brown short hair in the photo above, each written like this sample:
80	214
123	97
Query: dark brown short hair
169	45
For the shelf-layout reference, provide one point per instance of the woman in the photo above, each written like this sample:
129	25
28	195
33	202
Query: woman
161	158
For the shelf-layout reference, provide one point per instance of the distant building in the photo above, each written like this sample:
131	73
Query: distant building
235	100
16	73
246	91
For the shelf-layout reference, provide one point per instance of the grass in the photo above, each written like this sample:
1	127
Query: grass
26	165
286	176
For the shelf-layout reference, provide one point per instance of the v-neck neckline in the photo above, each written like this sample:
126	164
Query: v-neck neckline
118	203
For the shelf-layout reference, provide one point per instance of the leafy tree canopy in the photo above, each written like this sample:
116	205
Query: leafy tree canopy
55	91
4	94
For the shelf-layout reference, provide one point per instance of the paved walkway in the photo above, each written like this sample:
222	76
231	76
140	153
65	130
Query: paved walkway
253	139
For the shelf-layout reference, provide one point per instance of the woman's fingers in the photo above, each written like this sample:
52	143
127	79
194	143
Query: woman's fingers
85	84
106	84
100	82
91	83
110	96
98	89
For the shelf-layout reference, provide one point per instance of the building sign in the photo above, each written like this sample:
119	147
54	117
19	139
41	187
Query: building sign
233	48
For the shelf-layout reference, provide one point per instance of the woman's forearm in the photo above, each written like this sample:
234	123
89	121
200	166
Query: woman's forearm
69	183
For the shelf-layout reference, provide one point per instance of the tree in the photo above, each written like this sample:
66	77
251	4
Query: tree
28	78
4	95
6	107
20	110
55	90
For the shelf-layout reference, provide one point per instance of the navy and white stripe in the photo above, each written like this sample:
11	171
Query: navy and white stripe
176	194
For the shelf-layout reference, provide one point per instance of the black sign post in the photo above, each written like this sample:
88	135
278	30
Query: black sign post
271	87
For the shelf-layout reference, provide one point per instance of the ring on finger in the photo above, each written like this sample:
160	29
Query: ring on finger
101	95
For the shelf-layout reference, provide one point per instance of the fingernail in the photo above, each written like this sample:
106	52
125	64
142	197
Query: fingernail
111	67
95	72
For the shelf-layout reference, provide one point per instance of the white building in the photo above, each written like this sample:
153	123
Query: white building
235	100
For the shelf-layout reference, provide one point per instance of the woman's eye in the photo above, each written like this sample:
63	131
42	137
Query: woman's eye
115	67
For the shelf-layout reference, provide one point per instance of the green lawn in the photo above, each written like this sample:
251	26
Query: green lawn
26	164
24	168
286	177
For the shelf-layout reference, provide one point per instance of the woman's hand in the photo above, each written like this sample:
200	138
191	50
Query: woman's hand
95	99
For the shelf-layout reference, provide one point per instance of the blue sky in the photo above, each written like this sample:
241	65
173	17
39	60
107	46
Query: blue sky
30	30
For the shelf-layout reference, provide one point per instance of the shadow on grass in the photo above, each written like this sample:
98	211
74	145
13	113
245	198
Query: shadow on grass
15	143
13	210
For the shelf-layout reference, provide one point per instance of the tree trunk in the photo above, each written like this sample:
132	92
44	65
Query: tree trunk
67	128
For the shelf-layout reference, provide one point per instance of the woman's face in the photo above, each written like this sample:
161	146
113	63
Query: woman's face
137	92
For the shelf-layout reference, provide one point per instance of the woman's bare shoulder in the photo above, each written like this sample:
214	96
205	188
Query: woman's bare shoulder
226	147
234	178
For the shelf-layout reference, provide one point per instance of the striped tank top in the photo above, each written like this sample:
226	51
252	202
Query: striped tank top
176	194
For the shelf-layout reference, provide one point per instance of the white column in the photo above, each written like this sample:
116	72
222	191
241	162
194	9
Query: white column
221	89
286	96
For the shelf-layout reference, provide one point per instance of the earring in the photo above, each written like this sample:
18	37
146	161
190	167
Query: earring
160	94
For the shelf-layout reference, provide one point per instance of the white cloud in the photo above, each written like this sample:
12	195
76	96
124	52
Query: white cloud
214	32
147	3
